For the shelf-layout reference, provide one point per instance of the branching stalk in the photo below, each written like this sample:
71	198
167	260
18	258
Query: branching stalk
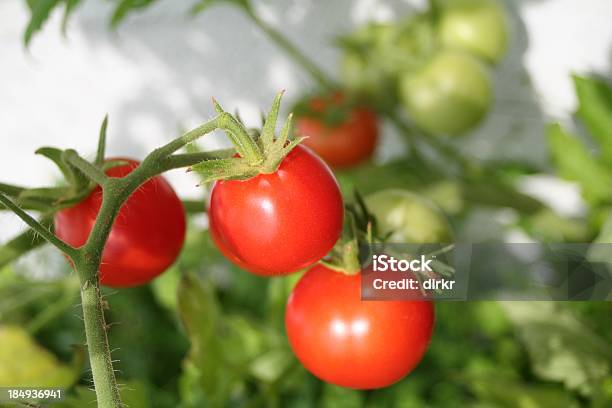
115	192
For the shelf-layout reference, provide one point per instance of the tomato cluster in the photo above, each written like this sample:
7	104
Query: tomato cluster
436	65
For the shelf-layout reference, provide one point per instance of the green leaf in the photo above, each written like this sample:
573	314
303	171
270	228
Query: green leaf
339	397
68	10
206	379
496	391
548	226
560	347
203	5
55	155
39	14
595	110
574	162
127	6
22	243
598	252
23	363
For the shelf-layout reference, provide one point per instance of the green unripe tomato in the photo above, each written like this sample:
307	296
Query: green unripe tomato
477	26
363	69
409	218
449	95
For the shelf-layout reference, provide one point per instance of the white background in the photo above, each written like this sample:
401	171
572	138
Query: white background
155	75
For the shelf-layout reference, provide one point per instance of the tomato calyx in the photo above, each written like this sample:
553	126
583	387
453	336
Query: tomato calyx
257	152
360	230
77	185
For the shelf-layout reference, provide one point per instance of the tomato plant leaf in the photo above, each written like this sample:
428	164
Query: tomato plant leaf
205	379
560	347
595	110
574	162
125	7
23	363
203	5
39	14
494	391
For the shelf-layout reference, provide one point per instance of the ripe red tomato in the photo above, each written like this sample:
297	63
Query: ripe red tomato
352	343
343	144
274	224
146	237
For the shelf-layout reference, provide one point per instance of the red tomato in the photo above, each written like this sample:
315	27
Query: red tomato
353	343
146	237
274	224
345	144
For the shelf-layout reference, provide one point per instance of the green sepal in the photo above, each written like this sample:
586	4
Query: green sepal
55	155
269	127
44	193
235	168
344	256
259	152
101	151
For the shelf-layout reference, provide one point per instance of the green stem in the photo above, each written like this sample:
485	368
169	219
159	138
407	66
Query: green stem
39	228
11	190
115	192
292	51
185	139
190	206
107	391
22	243
177	161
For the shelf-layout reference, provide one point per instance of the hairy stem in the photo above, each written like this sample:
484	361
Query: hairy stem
39	228
115	192
107	391
92	172
22	243
177	161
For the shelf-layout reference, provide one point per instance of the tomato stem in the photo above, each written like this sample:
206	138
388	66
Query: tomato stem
38	227
292	51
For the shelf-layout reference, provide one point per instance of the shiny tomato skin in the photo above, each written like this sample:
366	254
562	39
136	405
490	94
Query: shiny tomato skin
341	145
352	343
145	239
275	224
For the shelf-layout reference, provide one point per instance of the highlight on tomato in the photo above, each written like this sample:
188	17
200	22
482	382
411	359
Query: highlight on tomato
278	223
350	342
146	237
450	95
343	133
